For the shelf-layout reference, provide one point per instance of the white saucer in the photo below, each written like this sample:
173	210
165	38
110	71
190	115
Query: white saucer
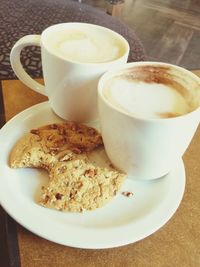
124	220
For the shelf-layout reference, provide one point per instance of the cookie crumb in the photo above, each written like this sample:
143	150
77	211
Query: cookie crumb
127	194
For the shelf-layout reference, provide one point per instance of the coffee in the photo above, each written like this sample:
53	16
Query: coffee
86	44
150	92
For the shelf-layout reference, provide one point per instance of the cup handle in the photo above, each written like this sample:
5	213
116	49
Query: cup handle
17	66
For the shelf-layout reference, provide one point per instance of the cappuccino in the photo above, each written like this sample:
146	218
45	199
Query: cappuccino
149	92
148	112
86	44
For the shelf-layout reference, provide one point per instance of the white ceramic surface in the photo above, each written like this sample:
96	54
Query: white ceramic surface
122	221
70	86
146	148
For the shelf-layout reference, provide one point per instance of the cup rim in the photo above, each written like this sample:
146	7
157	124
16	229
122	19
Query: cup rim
110	73
119	36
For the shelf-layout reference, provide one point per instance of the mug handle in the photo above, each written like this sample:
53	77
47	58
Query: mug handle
27	40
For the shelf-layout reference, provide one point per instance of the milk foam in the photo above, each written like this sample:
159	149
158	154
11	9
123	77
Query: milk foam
146	100
85	45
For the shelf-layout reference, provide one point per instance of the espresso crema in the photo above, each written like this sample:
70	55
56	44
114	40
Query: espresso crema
150	92
86	44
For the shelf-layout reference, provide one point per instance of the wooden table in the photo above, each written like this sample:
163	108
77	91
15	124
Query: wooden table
176	244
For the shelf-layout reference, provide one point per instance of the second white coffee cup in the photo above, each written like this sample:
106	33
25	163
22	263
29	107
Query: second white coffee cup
74	56
149	112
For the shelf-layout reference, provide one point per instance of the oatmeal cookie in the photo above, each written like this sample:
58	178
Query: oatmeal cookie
79	185
45	146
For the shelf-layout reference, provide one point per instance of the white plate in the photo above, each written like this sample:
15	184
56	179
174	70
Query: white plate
122	221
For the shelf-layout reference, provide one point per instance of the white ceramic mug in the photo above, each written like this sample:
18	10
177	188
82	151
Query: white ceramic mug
146	132
74	56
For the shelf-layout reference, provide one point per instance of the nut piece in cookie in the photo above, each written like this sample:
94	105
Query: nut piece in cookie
78	185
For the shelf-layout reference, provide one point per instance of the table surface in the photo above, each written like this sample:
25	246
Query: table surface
175	244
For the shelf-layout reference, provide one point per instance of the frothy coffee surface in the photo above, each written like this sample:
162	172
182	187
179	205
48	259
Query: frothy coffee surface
85	45
148	95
